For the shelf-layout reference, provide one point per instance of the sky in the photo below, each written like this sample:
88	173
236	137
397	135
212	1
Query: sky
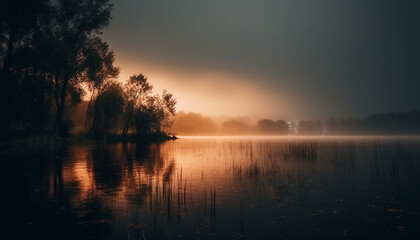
297	59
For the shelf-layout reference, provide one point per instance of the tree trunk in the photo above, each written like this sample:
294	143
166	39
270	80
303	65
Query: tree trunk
125	130
93	124
126	125
60	102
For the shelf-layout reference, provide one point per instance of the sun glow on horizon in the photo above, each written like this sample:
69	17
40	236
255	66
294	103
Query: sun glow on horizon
211	93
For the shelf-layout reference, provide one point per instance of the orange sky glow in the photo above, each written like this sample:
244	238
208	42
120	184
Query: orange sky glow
210	93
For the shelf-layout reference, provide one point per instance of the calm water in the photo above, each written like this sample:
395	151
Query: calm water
214	188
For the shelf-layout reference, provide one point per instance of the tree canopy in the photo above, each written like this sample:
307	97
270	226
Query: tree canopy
52	55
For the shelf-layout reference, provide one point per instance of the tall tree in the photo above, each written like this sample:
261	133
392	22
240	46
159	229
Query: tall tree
137	90
107	108
160	110
81	58
51	41
19	20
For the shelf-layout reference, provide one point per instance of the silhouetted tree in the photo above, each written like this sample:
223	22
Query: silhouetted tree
19	22
155	116
193	123
269	126
143	123
136	91
50	49
83	57
406	123
51	53
162	109
107	110
235	127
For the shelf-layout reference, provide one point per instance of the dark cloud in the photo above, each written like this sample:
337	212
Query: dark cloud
346	58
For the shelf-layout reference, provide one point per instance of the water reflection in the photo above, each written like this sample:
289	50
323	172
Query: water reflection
209	188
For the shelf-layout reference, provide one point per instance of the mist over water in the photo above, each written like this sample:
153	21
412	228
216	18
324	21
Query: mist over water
93	95
215	187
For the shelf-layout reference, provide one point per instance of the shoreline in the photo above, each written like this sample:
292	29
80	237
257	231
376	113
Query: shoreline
81	139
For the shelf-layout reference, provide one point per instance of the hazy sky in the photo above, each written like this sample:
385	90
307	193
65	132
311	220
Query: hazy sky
279	59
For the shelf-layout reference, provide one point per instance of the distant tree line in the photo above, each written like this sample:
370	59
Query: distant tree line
400	123
393	123
193	123
268	126
52	57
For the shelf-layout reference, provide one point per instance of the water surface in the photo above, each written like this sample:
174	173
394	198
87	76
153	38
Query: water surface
214	188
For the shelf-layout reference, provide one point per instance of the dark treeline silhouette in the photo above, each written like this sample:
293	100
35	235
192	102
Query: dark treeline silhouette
236	127
52	57
193	123
269	126
400	123
403	123
130	108
310	127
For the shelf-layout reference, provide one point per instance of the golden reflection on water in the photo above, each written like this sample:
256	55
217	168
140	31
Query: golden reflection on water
198	182
82	173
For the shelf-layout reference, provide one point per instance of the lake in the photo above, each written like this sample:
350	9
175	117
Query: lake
214	188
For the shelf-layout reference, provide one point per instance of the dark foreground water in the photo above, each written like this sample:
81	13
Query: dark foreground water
214	188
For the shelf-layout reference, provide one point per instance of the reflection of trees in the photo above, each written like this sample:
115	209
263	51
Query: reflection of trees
145	168
136	190
107	167
58	179
150	159
42	197
80	184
